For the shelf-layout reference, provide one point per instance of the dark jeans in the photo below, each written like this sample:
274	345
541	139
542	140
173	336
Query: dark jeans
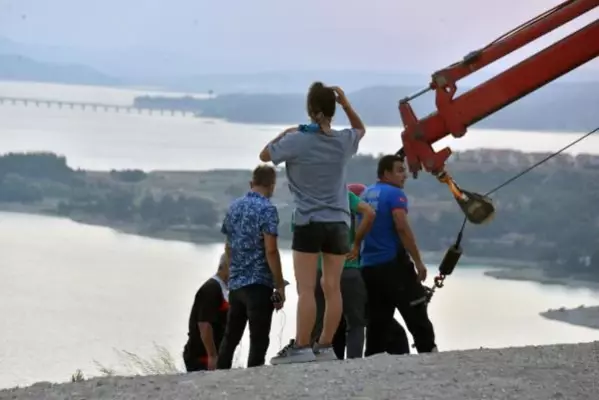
340	340
350	332
325	237
250	303
395	285
397	339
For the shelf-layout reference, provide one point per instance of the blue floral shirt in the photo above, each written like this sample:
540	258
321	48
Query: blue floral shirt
247	219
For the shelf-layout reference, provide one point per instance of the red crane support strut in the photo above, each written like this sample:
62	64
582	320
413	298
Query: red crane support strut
455	115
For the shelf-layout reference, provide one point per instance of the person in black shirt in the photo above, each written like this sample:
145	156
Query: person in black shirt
207	321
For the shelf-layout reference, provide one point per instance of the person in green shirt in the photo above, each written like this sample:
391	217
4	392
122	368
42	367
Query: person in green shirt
353	291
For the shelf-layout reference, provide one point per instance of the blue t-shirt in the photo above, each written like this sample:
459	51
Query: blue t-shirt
247	220
382	243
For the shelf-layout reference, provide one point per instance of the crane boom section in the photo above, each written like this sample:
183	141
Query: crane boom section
455	115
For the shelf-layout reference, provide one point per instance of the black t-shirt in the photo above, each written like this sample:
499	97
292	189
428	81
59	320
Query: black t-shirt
210	306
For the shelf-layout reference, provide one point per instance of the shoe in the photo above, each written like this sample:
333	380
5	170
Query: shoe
291	354
324	353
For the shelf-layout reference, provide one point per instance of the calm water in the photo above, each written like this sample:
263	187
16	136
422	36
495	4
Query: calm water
72	294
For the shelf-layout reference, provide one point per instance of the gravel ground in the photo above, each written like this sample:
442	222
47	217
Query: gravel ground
567	372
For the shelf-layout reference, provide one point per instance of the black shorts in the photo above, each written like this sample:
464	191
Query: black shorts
321	237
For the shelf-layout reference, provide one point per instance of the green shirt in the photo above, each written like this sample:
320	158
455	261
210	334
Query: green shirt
354	201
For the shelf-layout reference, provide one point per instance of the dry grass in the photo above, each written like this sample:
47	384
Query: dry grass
161	363
78	376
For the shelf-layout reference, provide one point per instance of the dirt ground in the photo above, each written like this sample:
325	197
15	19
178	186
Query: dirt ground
568	372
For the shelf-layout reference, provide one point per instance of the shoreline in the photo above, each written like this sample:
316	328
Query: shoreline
184	236
237	121
502	268
497	268
534	274
585	316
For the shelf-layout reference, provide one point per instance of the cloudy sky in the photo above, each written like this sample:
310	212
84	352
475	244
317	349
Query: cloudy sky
241	35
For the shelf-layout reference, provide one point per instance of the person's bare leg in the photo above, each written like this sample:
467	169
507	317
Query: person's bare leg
305	267
331	285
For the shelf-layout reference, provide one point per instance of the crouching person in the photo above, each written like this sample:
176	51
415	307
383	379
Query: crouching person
207	321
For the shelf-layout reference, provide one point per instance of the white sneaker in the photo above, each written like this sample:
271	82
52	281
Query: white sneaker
324	353
291	354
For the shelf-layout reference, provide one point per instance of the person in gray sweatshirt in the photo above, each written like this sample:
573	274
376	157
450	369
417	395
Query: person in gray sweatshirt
315	157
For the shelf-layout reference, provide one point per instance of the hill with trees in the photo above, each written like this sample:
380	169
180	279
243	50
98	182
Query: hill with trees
546	216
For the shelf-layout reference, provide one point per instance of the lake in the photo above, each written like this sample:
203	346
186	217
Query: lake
72	294
103	141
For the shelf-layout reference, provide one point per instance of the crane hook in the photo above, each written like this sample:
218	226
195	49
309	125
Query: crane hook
477	208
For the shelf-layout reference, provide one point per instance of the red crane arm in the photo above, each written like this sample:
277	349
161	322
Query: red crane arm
454	115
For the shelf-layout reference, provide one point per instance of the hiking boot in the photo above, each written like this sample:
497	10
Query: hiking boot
292	354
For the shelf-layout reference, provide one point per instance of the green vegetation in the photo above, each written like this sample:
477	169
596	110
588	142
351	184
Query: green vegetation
547	215
131	200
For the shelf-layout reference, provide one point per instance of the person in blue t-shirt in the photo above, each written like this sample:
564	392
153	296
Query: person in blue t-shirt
392	268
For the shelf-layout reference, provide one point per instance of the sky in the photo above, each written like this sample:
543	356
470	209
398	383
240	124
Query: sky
258	35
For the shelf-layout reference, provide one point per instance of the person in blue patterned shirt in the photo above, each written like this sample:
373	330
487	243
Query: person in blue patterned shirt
251	228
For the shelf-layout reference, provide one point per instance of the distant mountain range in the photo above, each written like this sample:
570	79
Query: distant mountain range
18	68
23	68
143	67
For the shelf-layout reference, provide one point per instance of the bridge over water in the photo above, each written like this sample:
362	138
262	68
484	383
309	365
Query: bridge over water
98	107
